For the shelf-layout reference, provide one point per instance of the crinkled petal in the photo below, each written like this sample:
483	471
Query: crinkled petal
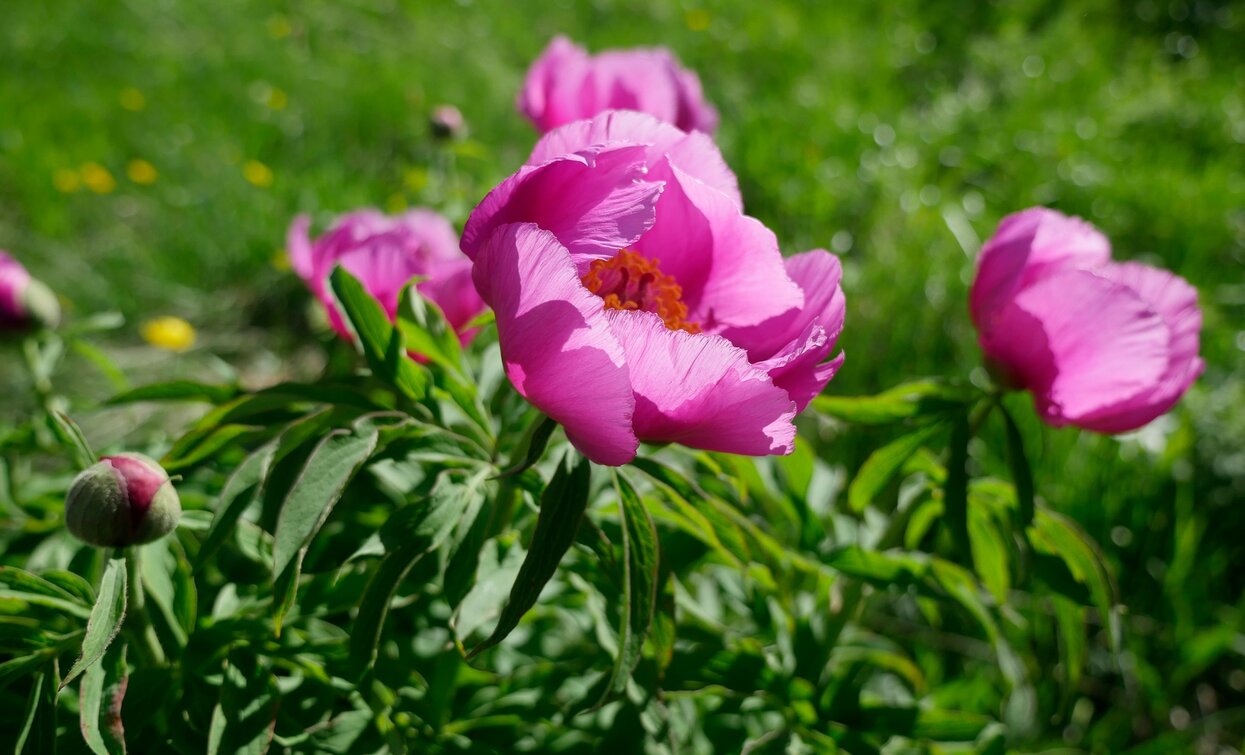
694	154
557	345
1175	301
593	201
800	368
1027	246
819	275
727	263
1080	342
700	391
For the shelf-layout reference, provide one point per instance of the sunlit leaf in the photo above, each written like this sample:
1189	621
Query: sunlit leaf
882	465
382	344
106	618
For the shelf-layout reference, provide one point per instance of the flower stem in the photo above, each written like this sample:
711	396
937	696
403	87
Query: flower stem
137	622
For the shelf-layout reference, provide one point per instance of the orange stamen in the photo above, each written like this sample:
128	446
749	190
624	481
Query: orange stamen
629	281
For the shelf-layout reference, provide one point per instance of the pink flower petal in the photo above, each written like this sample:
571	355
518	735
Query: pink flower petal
557	345
700	391
1029	245
727	263
13	282
694	153
593	201
1175	301
550	94
1080	342
298	247
818	274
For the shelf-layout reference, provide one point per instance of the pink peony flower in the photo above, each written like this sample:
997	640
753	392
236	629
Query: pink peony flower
24	301
566	84
1102	345
384	252
635	300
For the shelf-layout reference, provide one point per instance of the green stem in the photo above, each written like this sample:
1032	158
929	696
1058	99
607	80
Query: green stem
137	622
40	382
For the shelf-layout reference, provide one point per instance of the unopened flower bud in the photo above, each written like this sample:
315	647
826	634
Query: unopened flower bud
447	122
25	303
126	499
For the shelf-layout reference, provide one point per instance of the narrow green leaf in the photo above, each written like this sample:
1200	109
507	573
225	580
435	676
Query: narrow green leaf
239	491
99	699
207	447
106	618
177	390
70	583
329	469
38	733
535	442
409	535
70	436
427	332
884	463
955	489
990	551
1056	536
705	523
918	398
382	344
1070	618
244	720
640	562
1018	462
561	508
15	668
21	580
882	569
69	607
104	363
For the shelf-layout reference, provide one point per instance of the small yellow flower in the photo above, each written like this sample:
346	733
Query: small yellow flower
281	261
97	178
277	99
257	173
697	19
141	172
279	27
132	99
415	178
66	180
169	333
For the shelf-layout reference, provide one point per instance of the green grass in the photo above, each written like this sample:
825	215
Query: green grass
896	134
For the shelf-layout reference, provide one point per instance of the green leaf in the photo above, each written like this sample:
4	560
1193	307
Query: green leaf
244	720
882	569
640	562
915	399
21	580
100	697
239	491
106	618
382	344
70	583
1018	462
329	469
1056	536
534	443
38	733
426	331
1070	618
705	523
205	447
177	390
15	668
884	463
955	488
990	551
561	508
70	436
410	534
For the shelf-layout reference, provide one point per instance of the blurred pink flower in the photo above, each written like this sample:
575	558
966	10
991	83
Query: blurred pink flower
567	84
1101	345
635	300
384	252
24	301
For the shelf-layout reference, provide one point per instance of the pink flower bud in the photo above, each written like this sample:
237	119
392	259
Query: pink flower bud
25	303
124	500
447	122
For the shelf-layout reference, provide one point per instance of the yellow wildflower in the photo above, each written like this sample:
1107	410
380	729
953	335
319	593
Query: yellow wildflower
257	173
169	333
141	172
97	178
697	19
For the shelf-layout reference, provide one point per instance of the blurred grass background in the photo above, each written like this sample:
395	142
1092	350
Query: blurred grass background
151	155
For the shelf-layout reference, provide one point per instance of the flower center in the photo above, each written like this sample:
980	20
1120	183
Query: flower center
629	281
